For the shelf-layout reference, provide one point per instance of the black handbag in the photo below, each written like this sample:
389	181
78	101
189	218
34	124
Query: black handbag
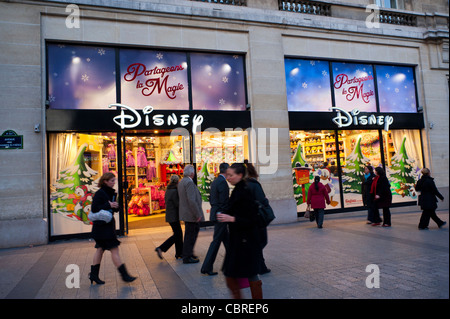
265	214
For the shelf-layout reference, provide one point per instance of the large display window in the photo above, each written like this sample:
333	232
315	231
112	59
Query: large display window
339	158
315	153
214	148
77	160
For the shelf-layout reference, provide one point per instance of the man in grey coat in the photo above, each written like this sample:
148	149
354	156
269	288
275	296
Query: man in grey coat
191	213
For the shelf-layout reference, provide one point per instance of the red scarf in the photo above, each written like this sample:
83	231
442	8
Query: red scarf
373	188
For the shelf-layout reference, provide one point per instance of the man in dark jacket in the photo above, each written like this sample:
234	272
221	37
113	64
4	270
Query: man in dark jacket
428	200
218	198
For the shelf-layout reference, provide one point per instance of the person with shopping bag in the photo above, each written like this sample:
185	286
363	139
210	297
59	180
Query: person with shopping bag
317	196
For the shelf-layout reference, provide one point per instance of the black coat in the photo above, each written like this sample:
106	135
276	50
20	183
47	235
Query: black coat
100	229
384	191
365	189
218	196
242	258
429	192
172	204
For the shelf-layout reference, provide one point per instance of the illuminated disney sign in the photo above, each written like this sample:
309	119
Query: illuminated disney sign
133	118
344	118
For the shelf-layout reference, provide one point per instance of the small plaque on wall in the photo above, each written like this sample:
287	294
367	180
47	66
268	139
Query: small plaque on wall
10	140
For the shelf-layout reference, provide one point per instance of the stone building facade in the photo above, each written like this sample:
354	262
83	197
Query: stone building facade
264	32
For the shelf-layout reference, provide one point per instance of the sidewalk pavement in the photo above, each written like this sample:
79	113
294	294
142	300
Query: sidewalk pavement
306	263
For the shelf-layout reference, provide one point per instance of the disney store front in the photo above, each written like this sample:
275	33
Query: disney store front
142	114
344	115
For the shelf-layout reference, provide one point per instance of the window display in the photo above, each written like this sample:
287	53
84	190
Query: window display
308	85
403	156
80	77
218	82
214	148
76	163
314	153
361	148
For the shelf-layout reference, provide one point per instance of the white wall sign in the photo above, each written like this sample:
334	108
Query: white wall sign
344	118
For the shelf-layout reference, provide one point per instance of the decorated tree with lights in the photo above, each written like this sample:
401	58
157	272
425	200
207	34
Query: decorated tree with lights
353	172
74	189
403	172
204	179
298	161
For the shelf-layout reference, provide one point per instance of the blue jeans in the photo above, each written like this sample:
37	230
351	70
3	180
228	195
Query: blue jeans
319	212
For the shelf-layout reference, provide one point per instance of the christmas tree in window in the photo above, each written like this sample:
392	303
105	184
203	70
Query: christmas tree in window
74	190
299	162
353	172
204	179
403	172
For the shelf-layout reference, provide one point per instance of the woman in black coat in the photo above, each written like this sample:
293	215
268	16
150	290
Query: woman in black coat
104	233
382	196
243	256
373	215
428	200
172	217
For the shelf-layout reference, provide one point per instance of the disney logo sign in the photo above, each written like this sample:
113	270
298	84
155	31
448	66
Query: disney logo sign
133	118
344	118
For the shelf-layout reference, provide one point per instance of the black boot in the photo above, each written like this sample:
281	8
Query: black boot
93	275
124	273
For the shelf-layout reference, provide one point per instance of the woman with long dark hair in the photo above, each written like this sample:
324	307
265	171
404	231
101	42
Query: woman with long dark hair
104	233
317	195
243	255
382	196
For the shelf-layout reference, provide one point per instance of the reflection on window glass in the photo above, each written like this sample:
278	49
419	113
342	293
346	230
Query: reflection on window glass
214	148
403	156
76	163
360	148
218	82
396	89
308	85
354	86
156	78
81	77
314	153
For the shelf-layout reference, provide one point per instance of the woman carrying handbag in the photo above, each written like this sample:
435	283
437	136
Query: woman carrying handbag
317	196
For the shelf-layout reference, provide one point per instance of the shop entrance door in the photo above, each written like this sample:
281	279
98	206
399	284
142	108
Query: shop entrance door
150	158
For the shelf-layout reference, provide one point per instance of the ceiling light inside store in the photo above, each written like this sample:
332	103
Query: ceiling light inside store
76	60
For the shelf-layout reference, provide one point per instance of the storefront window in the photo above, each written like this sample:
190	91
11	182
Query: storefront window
396	89
314	153
156	78
76	163
308	85
80	77
214	148
354	86
403	157
218	82
359	148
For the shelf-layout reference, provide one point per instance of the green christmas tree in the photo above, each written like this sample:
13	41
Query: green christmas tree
204	179
403	172
74	189
298	160
353	172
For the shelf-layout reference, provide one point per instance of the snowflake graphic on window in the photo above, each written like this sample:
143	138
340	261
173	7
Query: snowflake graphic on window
305	85
222	102
324	73
101	51
88	59
225	79
387	76
159	56
85	77
396	90
312	63
235	57
51	98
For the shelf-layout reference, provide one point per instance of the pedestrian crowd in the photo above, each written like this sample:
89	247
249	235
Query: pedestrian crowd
237	220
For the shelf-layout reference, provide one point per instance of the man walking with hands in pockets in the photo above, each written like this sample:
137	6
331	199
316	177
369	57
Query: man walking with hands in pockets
191	213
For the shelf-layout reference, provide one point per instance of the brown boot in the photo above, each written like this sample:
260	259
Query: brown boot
256	289
233	285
